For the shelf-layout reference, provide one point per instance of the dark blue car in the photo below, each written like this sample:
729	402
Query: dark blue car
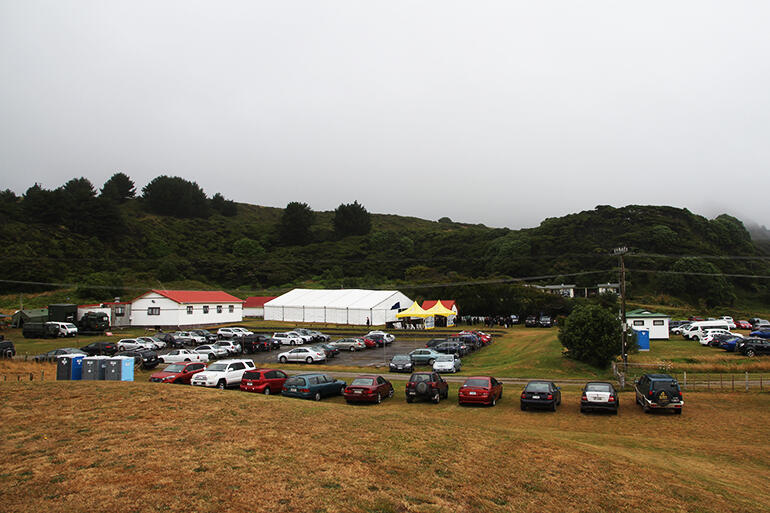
729	344
760	334
312	386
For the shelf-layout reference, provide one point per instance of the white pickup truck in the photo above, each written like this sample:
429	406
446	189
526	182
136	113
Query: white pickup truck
222	374
183	355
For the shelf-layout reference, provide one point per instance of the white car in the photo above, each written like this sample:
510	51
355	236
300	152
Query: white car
130	344
708	335
286	339
230	346
447	363
730	322
66	329
306	339
302	354
193	338
212	350
183	355
233	333
156	342
388	337
222	374
679	329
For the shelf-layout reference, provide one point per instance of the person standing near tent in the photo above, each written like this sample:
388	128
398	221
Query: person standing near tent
368	323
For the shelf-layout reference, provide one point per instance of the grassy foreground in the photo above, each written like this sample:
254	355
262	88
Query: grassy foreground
101	446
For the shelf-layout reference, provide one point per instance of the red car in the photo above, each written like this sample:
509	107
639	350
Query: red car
480	390
485	339
743	325
178	372
263	381
369	342
368	389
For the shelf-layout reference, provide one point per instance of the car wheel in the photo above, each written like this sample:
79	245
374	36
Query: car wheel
494	402
222	384
553	407
212	356
282	359
390	393
645	408
352	348
409	399
582	410
437	398
431	362
615	411
677	412
267	391
750	353
308	360
379	398
523	408
317	396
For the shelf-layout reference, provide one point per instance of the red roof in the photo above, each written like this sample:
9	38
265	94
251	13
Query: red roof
257	301
430	303
196	296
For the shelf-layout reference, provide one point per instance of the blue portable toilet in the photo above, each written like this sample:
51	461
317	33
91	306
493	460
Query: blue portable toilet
127	368
77	366
643	339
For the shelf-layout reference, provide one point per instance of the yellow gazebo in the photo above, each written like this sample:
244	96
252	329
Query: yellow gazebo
440	309
416	311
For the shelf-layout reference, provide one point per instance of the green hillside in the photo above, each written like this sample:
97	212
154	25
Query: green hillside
102	245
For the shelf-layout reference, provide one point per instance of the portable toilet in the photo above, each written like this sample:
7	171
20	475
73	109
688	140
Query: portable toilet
643	339
127	368
69	367
94	367
119	368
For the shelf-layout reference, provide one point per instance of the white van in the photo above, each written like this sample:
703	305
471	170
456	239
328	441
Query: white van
697	330
66	329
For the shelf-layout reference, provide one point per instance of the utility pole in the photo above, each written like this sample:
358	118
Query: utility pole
623	347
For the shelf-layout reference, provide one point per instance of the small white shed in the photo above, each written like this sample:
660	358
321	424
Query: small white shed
185	308
655	323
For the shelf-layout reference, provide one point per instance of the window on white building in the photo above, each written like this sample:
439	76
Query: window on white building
153	310
219	308
120	311
205	309
189	310
638	323
231	308
657	323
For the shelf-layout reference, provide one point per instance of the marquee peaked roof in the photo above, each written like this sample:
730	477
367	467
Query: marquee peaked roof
414	311
440	309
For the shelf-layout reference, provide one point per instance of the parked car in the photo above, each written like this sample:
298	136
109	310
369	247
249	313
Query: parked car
315	336
287	339
514	319
729	320
480	390
329	352
131	344
379	338
302	354
531	321
672	325
432	343
708	335
183	355
212	350
716	339
401	363
389	339
753	346
368	389
231	346
179	373
40	330
760	334
678	330
65	329
743	325
170	341
729	344
144	358
660	392
541	394
485	338
210	337
348	344
257	343
312	386
263	381
100	348
51	356
599	395
233	332
545	321
424	356
190	338
447	363
7	349
155	342
306	339
453	348
426	385
368	343
222	374
759	324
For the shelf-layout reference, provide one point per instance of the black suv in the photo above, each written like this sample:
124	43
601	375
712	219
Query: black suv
545	321
426	385
145	358
753	346
659	392
255	343
99	348
531	321
7	349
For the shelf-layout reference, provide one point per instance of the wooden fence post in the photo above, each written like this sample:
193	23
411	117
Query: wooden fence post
733	378
685	380
747	381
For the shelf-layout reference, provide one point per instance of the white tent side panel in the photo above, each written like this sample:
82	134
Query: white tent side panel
273	313
314	314
337	315
293	314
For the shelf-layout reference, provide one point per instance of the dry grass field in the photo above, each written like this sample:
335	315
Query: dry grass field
107	446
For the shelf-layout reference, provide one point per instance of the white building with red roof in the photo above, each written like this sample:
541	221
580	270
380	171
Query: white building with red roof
185	308
255	306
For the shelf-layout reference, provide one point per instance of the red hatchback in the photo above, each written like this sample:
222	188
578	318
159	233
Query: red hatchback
368	342
263	381
178	373
480	390
368	389
743	325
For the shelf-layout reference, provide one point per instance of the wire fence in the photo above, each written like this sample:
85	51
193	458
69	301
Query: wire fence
720	382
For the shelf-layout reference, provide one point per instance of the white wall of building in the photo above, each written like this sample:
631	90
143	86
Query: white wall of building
657	326
176	314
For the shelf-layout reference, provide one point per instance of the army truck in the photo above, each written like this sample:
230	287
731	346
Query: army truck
63	312
93	323
40	330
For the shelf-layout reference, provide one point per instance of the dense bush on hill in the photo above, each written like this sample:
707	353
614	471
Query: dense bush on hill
69	233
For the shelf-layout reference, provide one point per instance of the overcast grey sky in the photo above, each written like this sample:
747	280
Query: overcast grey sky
501	113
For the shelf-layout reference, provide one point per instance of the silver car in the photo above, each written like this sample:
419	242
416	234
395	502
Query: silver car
302	354
447	363
348	344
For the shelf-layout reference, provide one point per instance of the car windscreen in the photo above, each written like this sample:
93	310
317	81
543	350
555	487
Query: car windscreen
401	358
295	382
251	375
417	378
598	387
362	382
174	368
217	367
445	358
476	383
537	387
